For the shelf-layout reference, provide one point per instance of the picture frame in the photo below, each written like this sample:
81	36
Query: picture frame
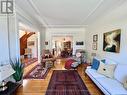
31	43
94	45
80	43
46	42
95	38
111	41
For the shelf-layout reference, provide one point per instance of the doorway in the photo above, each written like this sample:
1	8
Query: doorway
62	46
28	47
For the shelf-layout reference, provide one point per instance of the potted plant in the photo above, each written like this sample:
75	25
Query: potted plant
18	67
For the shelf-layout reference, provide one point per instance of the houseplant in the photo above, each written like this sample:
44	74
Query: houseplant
18	67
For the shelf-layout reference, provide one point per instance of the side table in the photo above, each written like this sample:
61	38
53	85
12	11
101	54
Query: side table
11	88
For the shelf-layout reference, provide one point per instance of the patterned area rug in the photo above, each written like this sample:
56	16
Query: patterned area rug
38	72
29	61
66	82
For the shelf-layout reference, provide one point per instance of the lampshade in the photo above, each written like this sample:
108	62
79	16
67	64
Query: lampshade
6	71
78	54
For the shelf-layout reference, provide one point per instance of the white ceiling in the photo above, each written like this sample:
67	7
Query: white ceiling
64	13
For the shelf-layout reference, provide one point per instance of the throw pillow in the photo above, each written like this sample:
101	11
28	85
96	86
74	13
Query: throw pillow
103	60
125	84
95	64
106	69
74	64
101	68
110	68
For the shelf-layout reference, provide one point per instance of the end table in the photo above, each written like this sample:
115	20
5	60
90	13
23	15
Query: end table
11	88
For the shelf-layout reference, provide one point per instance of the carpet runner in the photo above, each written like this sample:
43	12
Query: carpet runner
38	72
29	61
66	82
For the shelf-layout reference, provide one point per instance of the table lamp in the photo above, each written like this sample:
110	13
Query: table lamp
5	72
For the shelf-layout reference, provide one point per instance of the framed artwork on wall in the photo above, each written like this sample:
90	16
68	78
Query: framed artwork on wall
80	43
30	43
94	46
46	42
95	38
111	41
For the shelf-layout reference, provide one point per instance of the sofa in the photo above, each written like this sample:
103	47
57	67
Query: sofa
110	86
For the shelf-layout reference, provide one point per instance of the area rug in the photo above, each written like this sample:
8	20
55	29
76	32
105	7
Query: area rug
66	82
29	61
38	72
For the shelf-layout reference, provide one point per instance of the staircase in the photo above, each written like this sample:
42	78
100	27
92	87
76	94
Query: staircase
23	42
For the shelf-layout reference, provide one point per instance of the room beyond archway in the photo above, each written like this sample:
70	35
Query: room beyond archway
62	46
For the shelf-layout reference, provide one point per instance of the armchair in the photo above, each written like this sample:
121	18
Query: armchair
47	59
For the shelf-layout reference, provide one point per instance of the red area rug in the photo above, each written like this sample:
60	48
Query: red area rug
29	61
66	82
38	72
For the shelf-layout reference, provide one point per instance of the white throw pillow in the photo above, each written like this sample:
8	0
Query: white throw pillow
106	69
110	68
101	68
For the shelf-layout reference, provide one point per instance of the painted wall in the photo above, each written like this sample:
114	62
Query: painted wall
114	19
78	34
42	38
4	42
3	39
21	33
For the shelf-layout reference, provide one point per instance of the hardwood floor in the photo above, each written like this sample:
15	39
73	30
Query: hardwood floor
28	68
38	87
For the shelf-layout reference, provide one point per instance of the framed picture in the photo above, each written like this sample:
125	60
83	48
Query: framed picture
46	42
80	43
94	46
30	43
95	38
111	41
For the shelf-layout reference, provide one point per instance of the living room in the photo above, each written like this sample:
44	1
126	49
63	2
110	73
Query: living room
98	28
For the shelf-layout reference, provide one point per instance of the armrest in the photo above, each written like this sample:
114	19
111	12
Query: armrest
88	67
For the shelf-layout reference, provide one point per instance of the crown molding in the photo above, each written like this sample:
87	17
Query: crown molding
67	26
45	24
92	12
39	17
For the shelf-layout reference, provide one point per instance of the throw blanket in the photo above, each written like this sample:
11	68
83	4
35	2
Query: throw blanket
68	63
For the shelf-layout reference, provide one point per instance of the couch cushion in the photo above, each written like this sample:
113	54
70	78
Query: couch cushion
94	73
95	64
121	72
114	87
106	69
